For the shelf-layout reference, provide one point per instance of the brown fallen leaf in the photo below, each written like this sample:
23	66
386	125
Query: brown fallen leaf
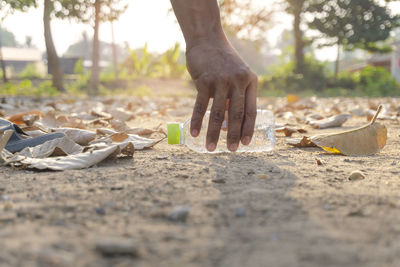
289	131
19	118
334	121
71	162
56	147
363	141
301	142
79	136
292	99
4	137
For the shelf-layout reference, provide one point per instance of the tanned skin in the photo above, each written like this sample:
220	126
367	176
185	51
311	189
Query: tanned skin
218	72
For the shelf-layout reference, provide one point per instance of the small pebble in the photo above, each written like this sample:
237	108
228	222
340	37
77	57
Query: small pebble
5	198
219	180
318	161
262	176
7	217
356	175
240	212
179	214
112	247
100	211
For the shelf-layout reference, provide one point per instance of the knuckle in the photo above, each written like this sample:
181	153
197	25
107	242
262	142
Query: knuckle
242	75
238	114
218	116
207	80
251	114
254	78
199	109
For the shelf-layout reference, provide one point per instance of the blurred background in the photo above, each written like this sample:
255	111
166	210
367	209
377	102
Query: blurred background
133	47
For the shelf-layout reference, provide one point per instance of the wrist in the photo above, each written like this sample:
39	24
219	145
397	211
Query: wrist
212	32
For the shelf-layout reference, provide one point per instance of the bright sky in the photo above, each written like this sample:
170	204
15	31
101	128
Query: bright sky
144	21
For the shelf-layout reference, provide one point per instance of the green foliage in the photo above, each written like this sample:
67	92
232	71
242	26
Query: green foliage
78	68
353	23
370	81
26	88
169	65
140	63
284	78
7	38
377	81
30	72
9	6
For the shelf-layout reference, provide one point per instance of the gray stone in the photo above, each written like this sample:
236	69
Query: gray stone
112	247
179	214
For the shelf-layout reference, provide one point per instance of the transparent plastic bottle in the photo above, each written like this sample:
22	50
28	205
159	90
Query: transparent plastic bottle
263	137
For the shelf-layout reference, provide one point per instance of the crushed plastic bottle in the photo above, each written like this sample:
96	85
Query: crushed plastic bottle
263	137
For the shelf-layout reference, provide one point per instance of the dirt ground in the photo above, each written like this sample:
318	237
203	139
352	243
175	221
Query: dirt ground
260	209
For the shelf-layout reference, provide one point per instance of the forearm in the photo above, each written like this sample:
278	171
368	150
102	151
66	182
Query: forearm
199	20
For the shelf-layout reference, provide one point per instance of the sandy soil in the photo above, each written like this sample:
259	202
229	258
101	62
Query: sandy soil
267	209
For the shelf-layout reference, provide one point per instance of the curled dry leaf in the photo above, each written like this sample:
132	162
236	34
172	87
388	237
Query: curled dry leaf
363	141
292	99
301	142
334	121
104	131
79	136
19	118
4	137
121	114
56	147
289	131
71	162
139	142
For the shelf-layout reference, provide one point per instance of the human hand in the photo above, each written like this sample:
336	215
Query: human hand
219	72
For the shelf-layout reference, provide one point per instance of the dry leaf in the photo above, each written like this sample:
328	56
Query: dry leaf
119	126
138	141
301	142
118	137
79	136
289	131
71	162
292	99
103	131
4	137
19	118
334	121
121	114
56	147
366	140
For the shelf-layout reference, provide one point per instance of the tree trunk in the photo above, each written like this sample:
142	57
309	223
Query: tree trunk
52	57
298	37
114	52
3	64
337	62
94	77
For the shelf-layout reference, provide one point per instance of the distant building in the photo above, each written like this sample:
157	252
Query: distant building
17	58
390	61
67	65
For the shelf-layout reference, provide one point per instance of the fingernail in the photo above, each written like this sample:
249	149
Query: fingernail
246	140
195	133
211	147
233	147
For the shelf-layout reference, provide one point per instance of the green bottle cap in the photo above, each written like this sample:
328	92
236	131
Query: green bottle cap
174	133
